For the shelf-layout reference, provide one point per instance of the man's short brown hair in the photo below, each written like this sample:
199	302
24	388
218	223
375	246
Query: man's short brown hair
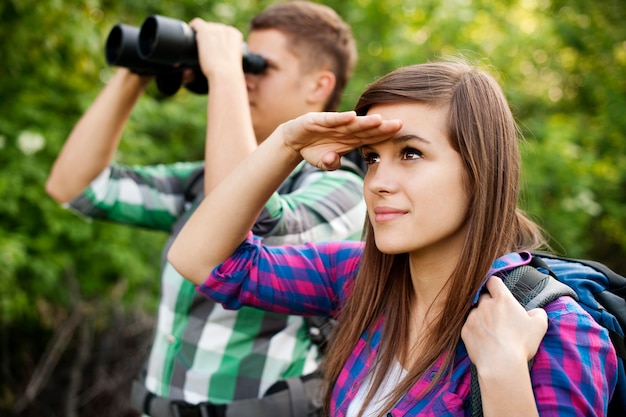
318	36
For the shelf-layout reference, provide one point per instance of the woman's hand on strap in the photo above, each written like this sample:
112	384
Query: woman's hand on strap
501	337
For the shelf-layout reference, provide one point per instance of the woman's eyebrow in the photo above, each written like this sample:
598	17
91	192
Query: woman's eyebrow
400	139
406	138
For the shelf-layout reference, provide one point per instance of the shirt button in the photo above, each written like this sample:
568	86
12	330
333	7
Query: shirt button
170	338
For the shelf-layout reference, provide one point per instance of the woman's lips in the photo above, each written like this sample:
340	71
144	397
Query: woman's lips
385	214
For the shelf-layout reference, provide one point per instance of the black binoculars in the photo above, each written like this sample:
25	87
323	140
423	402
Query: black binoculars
165	47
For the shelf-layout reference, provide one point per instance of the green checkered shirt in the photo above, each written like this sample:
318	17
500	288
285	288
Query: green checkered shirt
202	352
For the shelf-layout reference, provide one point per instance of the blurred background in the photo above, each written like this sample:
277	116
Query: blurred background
77	298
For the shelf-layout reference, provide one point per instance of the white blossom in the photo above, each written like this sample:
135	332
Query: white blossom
30	142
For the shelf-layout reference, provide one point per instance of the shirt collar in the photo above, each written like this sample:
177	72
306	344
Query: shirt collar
504	263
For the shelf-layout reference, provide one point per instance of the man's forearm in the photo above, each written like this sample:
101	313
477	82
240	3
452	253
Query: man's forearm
93	141
230	136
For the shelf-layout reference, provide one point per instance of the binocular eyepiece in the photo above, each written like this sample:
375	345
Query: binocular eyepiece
164	47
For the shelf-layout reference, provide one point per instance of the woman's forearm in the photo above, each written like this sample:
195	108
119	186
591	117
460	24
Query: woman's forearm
228	213
508	391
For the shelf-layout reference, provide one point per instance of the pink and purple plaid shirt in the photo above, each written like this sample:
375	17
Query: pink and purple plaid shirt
573	373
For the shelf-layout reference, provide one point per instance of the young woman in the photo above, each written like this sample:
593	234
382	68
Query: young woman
422	298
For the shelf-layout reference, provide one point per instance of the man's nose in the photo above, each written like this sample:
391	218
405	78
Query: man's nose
251	80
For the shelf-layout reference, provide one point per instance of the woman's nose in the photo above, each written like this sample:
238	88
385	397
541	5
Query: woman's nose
380	178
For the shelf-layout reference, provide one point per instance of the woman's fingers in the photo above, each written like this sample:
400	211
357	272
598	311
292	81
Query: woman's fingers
344	126
331	161
499	327
322	137
496	287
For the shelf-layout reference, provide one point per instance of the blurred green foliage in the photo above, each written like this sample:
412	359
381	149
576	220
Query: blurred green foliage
562	65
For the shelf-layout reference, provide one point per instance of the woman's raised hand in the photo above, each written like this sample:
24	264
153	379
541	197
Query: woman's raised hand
321	138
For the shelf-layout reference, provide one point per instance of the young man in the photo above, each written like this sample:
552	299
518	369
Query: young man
202	354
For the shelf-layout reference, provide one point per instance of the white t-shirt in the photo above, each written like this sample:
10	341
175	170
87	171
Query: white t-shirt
394	375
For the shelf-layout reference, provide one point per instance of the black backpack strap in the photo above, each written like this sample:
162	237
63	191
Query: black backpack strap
476	401
354	162
194	185
291	397
319	330
533	289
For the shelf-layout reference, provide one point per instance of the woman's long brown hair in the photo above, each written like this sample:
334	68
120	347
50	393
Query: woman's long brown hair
482	129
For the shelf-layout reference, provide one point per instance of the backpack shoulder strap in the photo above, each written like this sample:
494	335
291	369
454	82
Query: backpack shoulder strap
534	289
194	186
354	162
319	330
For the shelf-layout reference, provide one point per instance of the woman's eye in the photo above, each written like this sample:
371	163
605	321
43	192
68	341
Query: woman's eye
370	158
410	154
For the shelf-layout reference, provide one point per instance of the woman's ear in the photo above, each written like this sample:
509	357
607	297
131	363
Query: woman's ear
322	86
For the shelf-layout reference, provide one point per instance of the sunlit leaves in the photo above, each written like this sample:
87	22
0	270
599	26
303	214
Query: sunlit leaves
561	64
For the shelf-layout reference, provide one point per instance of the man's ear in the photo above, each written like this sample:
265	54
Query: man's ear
322	87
